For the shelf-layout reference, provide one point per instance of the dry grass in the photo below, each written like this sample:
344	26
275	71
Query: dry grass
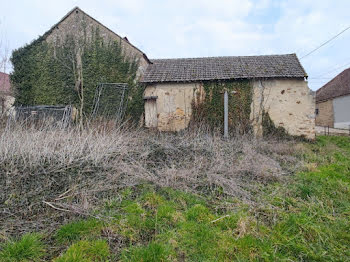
75	171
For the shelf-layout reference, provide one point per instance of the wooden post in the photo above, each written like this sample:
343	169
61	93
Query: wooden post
225	114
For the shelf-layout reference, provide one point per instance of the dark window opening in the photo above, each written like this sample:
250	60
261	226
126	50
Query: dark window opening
316	111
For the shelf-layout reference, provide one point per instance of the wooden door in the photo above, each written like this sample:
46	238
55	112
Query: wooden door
151	119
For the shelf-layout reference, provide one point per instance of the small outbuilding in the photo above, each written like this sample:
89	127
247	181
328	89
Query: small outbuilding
279	89
333	102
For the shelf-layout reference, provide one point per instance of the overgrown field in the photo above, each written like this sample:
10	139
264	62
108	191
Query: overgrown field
125	195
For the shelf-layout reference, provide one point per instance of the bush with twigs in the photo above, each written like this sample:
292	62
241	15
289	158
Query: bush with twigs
49	174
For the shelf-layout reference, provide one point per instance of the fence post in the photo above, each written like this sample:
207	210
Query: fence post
225	114
328	130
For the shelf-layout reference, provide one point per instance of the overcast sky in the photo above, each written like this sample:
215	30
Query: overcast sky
197	28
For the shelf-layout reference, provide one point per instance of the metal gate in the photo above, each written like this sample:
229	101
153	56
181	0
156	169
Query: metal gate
110	101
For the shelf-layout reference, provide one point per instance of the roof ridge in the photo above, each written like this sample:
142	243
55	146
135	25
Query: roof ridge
214	57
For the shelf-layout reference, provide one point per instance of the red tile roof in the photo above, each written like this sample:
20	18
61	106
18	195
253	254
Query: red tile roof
5	87
338	86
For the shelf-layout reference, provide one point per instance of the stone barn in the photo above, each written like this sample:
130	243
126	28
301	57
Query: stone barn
279	89
278	82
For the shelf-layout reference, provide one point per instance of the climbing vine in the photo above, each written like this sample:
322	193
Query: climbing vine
211	110
270	130
42	73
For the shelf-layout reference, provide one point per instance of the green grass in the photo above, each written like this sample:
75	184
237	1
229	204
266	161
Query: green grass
305	218
78	230
28	248
86	251
152	252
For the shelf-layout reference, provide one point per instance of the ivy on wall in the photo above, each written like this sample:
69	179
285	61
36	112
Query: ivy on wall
211	110
38	78
43	75
270	130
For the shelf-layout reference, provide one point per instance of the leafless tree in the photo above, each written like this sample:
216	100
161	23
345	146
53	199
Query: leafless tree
77	67
4	65
4	52
70	54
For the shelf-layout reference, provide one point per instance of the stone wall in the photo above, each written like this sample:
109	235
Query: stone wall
81	25
289	103
173	104
6	104
325	116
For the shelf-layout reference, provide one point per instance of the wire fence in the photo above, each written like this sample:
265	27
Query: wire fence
110	101
332	131
109	104
58	116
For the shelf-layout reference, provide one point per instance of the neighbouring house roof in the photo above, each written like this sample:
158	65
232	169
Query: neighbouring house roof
223	68
338	86
5	86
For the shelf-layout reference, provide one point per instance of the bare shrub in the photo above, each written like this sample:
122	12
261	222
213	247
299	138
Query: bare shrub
47	169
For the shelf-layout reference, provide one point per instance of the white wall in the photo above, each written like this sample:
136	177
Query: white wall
341	107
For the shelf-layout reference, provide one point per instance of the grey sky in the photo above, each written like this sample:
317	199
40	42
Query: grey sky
194	28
